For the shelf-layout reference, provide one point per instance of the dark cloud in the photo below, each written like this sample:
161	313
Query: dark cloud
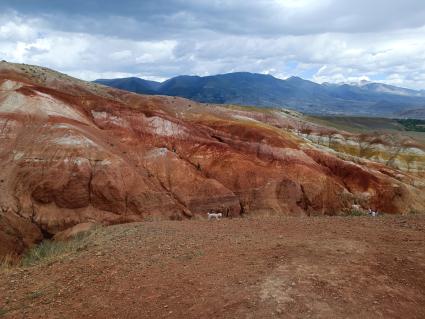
153	19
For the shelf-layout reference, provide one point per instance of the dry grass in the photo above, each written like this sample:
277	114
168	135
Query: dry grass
51	251
8	262
357	212
3	312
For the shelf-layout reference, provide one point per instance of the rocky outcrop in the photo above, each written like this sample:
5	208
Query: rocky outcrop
75	153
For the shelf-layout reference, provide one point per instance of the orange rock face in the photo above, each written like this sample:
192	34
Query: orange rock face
74	152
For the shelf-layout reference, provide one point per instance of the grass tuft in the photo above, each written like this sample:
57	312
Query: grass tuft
7	263
51	251
356	212
3	312
34	295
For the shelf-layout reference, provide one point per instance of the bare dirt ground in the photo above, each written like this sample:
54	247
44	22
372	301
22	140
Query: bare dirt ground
322	267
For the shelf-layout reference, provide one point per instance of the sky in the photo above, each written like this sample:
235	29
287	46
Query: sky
319	40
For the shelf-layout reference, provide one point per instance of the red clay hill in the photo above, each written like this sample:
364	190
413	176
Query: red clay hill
73	152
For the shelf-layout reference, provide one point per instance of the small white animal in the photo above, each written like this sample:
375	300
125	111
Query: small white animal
373	213
214	215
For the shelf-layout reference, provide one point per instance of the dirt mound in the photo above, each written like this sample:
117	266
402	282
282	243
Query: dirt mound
74	152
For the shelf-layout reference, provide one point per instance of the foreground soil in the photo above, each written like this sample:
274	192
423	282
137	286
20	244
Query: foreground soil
321	267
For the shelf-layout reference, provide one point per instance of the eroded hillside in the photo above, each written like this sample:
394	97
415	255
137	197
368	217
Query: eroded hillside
74	152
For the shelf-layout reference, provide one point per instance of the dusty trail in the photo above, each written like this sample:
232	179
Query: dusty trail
322	267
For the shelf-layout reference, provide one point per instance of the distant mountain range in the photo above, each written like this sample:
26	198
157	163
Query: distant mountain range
361	99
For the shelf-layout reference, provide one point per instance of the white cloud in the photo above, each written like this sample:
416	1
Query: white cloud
332	74
325	40
14	28
121	54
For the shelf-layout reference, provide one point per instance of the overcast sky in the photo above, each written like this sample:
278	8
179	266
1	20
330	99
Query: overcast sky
320	40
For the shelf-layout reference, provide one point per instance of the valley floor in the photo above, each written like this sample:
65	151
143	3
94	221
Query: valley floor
321	267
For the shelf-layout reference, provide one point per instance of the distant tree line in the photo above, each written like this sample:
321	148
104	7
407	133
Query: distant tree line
413	125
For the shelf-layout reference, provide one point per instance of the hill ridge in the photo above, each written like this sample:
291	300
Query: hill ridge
264	90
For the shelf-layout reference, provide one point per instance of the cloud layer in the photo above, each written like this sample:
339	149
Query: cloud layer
327	40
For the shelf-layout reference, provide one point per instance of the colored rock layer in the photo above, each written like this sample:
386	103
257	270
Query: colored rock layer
73	152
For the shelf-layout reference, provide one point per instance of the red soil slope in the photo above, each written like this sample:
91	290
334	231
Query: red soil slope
268	267
73	152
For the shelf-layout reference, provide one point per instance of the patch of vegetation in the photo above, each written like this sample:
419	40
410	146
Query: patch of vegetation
34	295
413	125
3	312
51	251
7	262
356	212
191	255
